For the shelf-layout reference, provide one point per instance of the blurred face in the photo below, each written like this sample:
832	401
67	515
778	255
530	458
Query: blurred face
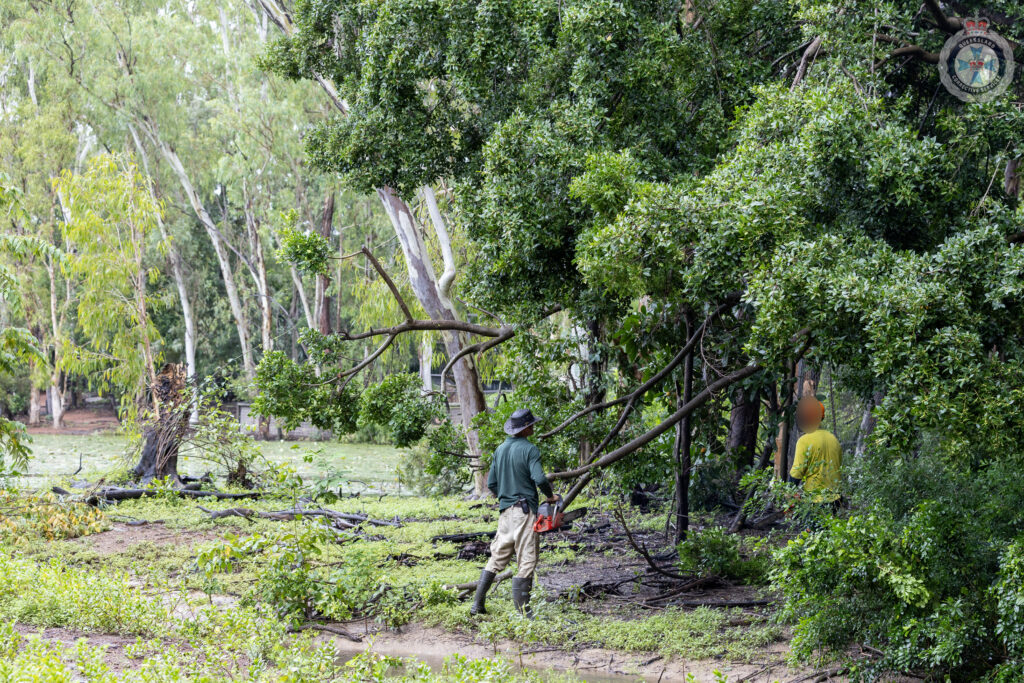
526	432
808	414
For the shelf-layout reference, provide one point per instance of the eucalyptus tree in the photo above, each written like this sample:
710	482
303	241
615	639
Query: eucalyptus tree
40	136
111	225
17	344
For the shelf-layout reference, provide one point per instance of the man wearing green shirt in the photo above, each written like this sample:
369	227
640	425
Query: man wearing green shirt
516	474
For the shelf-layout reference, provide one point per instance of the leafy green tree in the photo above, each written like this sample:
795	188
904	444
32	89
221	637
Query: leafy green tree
112	220
16	343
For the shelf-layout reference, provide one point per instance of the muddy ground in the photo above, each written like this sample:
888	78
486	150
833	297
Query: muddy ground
606	576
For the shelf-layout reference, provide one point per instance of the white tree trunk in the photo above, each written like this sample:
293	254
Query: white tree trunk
426	359
56	398
178	275
424	284
258	266
301	289
234	302
33	406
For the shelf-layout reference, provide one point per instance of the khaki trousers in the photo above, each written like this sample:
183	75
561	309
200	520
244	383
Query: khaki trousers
515	534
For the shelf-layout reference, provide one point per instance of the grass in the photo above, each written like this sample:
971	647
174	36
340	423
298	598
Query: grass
141	589
59	455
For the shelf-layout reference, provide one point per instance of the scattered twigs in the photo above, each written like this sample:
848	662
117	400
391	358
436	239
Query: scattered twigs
643	550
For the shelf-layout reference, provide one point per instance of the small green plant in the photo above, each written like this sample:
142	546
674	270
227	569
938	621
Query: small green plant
713	551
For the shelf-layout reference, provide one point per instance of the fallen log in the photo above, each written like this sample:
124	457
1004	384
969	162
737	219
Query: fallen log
470	586
116	494
339	519
767	520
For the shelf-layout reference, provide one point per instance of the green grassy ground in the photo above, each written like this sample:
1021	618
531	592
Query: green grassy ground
58	455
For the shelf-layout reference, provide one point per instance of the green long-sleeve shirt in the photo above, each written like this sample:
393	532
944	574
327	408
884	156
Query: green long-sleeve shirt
516	473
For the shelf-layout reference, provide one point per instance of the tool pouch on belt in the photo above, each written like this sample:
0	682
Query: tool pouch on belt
523	505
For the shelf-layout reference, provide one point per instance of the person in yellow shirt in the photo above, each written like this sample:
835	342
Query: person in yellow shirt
818	457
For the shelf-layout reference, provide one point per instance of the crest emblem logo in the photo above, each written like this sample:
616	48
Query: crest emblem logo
976	64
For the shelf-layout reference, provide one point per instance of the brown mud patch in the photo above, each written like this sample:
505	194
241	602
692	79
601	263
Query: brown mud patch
121	537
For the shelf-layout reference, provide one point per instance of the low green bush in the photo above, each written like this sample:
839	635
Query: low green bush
934	587
713	551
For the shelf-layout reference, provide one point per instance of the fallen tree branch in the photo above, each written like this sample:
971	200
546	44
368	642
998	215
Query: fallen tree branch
470	586
344	519
669	422
116	494
656	379
643	550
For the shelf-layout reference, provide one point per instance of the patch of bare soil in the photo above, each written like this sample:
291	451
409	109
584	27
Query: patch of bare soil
82	421
432	645
122	537
66	638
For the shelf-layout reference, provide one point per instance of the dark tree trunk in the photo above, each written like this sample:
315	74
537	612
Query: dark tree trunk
323	305
159	457
682	450
162	437
743	421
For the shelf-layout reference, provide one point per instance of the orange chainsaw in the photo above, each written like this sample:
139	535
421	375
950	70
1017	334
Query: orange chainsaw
551	517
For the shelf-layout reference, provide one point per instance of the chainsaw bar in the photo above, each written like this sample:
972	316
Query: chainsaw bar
572	515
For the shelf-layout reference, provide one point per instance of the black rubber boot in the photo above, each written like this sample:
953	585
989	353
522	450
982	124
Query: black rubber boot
521	596
482	586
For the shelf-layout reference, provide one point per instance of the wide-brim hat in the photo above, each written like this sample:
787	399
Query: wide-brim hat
520	420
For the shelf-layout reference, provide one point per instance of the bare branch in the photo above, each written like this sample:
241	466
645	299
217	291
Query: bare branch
644	439
653	381
947	24
642	550
480	347
391	283
425	326
806	60
350	374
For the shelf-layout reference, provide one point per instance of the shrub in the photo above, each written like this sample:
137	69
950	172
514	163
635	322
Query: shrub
438	469
917	591
715	552
398	404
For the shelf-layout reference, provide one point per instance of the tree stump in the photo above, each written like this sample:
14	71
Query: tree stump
164	433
